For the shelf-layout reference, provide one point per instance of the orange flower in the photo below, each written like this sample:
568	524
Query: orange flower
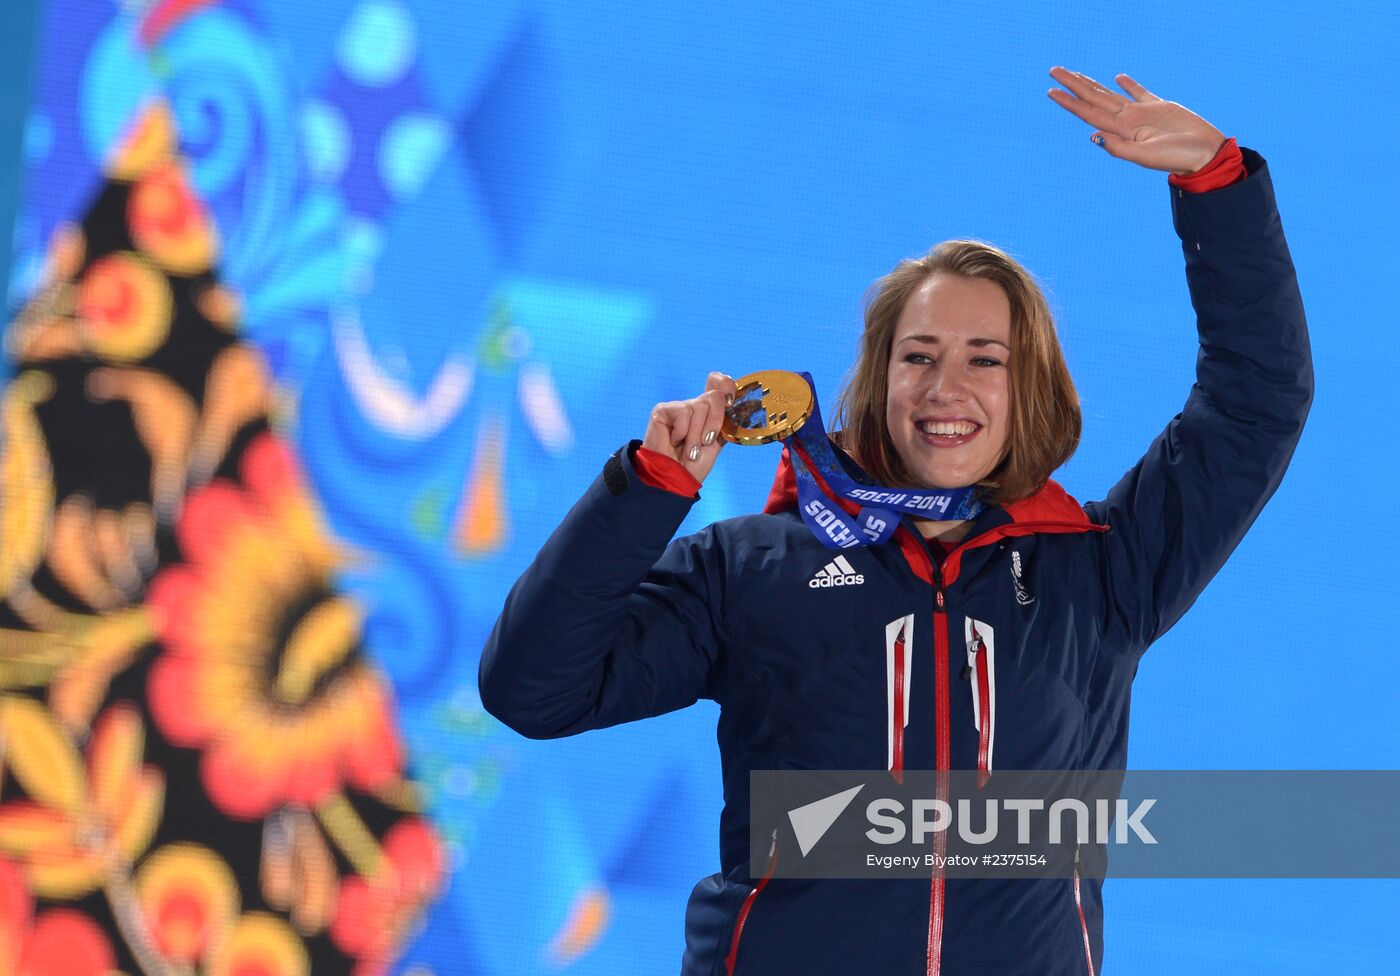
260	669
60	942
84	820
374	912
168	222
188	896
124	307
64	942
259	945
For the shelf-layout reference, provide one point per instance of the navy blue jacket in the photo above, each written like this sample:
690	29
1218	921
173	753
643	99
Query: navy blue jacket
1048	604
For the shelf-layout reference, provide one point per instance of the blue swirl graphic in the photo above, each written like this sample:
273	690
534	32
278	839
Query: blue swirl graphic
236	112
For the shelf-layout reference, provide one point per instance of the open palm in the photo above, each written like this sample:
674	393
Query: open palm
1144	129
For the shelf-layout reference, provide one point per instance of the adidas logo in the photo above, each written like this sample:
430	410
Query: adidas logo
838	572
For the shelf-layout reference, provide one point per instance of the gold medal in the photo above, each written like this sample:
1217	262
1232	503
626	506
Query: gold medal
771	405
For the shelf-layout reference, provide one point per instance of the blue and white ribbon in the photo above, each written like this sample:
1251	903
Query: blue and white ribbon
812	454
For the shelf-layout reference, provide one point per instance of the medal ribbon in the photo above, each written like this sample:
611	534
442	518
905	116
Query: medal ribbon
812	455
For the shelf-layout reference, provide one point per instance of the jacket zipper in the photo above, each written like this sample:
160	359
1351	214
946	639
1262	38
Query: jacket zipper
1083	924
938	884
983	691
941	704
897	760
733	957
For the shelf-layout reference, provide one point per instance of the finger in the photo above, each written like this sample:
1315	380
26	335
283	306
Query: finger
1111	143
719	400
1134	89
1087	88
1101	94
1097	117
1098	87
725	384
680	418
698	429
661	428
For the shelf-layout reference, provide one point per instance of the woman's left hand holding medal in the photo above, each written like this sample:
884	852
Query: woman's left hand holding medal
688	430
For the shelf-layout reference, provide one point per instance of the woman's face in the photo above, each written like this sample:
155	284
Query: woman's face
949	400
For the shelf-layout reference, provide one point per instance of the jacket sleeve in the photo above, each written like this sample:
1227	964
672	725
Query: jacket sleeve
1176	516
603	627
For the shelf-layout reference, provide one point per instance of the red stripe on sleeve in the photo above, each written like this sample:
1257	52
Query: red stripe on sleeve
1227	167
660	471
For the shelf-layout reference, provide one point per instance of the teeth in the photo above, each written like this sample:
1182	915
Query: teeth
956	429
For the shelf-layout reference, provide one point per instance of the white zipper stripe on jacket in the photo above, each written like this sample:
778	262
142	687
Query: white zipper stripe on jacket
981	662
900	626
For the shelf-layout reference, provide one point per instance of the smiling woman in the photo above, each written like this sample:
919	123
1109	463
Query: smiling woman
961	335
959	384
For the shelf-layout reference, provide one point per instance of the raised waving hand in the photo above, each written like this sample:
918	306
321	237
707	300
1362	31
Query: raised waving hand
1141	128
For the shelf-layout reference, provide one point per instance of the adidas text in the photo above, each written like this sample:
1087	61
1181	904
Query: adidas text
836	581
838	572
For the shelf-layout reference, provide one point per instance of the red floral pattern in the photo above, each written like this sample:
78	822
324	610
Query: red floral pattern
374	911
58	942
255	556
150	629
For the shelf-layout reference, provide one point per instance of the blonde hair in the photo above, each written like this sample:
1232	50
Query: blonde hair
1045	421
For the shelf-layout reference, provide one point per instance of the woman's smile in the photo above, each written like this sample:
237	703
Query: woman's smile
945	434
